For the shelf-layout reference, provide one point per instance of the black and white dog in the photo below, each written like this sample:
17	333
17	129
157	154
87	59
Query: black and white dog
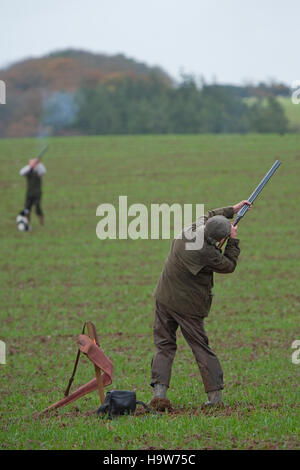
22	221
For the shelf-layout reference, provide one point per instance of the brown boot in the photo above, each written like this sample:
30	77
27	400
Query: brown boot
159	401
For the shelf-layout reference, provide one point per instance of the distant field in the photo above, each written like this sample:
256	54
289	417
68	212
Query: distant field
58	276
292	112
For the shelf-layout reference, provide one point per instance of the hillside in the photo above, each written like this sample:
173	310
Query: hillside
74	92
31	82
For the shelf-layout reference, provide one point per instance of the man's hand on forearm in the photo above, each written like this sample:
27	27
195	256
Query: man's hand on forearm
34	162
239	205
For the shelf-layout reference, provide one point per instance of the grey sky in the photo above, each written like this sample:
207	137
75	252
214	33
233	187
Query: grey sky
230	40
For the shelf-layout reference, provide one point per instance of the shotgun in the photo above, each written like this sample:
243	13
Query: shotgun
42	152
253	196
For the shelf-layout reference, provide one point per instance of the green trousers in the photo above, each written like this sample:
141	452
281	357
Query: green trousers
192	328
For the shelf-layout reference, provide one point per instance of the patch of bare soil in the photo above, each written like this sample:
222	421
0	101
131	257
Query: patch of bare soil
161	404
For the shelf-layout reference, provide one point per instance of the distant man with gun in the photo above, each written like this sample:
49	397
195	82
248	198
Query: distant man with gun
34	172
184	294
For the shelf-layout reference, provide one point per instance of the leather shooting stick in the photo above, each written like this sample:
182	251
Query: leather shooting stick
67	391
88	345
93	335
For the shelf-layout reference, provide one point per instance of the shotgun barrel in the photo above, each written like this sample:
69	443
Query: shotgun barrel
43	151
256	192
254	195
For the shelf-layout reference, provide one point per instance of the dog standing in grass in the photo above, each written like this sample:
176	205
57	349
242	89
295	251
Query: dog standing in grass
33	172
183	298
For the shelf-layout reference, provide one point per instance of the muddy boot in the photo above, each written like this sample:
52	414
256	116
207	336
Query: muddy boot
160	391
214	398
159	401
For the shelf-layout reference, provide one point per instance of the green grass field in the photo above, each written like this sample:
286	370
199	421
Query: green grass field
60	275
292	112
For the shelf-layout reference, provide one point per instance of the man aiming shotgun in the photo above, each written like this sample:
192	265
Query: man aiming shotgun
184	293
34	172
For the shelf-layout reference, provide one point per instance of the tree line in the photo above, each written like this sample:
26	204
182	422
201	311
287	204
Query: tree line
77	92
149	106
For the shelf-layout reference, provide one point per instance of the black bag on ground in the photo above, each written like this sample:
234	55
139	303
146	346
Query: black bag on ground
120	402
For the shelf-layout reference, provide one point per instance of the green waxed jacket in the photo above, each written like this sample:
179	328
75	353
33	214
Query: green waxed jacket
187	277
34	184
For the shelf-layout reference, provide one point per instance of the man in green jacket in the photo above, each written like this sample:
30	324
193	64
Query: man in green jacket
183	298
33	172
